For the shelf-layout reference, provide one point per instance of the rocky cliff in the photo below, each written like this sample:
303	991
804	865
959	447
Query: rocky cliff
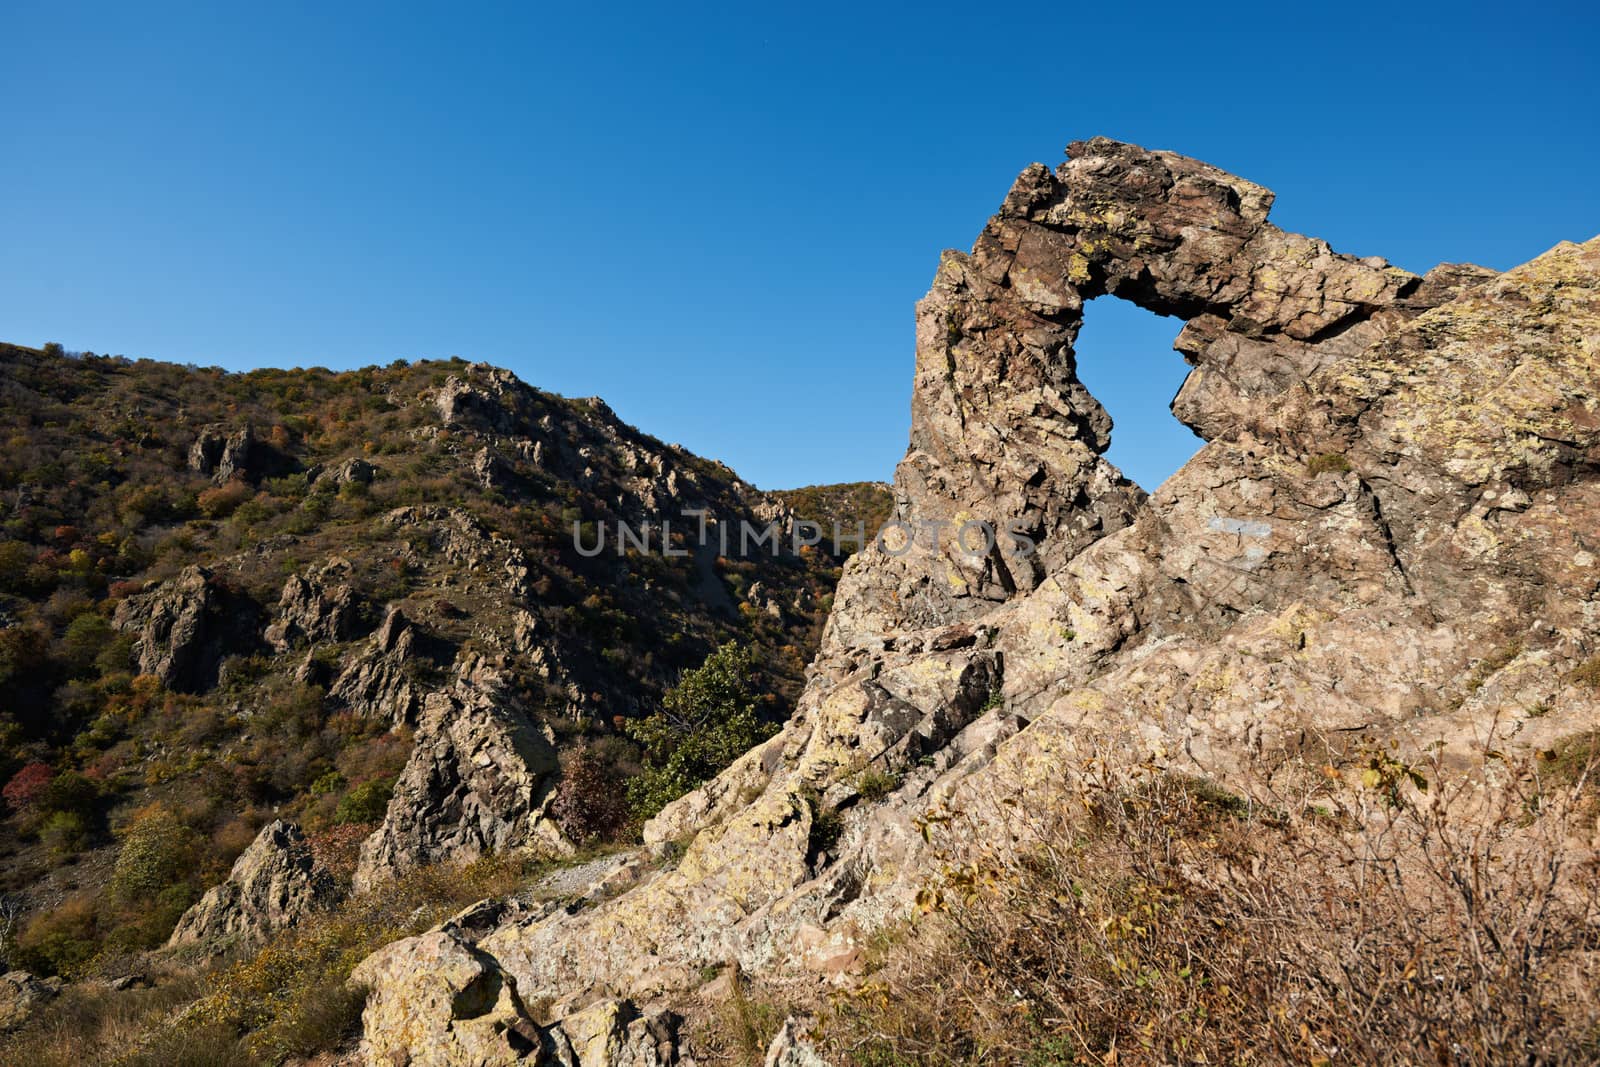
1388	537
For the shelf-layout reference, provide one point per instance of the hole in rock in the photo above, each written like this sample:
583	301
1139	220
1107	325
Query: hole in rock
1125	359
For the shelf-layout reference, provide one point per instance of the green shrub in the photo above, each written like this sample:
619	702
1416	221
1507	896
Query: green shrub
86	637
70	792
365	803
827	825
64	832
60	941
707	721
158	851
875	784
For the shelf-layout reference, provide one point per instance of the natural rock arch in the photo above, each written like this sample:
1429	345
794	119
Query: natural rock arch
1002	428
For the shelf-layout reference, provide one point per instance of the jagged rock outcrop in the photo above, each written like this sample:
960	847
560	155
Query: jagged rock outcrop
381	681
275	883
223	454
1388	535
320	605
462	540
183	628
351	471
492	400
475	783
21	994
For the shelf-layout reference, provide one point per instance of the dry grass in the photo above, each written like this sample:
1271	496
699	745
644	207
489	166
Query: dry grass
286	1001
1153	921
742	1023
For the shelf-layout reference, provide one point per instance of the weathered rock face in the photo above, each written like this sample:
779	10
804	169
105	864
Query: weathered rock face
222	454
235	454
1389	534
493	402
21	994
184	628
275	883
439	1002
381	681
461	539
355	471
475	783
318	606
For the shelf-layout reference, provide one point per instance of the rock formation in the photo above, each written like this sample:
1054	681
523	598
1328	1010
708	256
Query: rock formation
222	454
1389	534
21	994
474	784
439	1002
380	681
318	606
354	471
275	883
184	628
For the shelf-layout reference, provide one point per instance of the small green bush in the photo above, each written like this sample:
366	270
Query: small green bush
827	825
875	784
64	832
365	803
158	851
707	721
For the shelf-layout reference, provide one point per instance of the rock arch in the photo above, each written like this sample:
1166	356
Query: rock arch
1002	428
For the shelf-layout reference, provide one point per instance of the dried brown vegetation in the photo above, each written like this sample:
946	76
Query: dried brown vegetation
1148	921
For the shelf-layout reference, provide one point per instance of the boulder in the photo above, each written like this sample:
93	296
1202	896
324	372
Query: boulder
275	883
612	1033
436	1001
790	1048
21	994
353	471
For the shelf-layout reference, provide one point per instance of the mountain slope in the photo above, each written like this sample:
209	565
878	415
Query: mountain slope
227	597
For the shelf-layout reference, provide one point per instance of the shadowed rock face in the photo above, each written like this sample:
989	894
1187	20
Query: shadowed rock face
184	628
1401	478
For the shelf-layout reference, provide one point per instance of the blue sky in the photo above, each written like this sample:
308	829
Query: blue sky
719	217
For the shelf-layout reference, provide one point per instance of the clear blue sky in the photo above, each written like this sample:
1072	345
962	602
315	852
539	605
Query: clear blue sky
718	218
